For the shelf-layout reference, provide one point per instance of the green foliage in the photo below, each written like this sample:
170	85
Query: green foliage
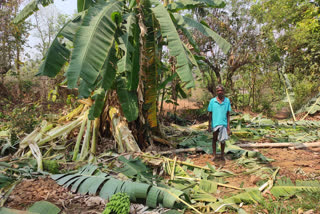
5	180
22	169
118	204
303	89
13	36
24	119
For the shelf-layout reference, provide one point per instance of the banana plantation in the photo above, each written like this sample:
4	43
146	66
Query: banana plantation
115	116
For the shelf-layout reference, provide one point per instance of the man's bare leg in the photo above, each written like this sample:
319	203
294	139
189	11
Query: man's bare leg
223	145
214	145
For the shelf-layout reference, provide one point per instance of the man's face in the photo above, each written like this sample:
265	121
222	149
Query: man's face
220	92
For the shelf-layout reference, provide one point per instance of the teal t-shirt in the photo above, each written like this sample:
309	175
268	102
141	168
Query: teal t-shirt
219	111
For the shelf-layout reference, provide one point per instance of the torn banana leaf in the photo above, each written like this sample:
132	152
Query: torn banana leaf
91	180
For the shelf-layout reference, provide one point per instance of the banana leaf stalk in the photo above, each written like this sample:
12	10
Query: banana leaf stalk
79	138
29	138
37	154
173	167
198	179
93	148
34	136
54	133
272	180
44	128
85	145
115	120
72	114
180	162
287	86
61	130
289	100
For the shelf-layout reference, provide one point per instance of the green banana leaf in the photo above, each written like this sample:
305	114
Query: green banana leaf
84	4
175	45
312	106
57	54
93	43
285	187
29	9
69	31
90	180
189	22
44	207
128	100
97	107
4	210
190	4
108	71
125	63
134	168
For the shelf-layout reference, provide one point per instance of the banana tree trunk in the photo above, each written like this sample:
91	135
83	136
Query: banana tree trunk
148	76
121	133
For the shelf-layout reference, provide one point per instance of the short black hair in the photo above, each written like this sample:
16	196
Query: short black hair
220	86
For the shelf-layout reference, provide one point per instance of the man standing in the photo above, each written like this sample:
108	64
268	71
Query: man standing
219	120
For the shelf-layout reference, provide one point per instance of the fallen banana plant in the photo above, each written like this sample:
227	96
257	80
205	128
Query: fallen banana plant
90	180
85	145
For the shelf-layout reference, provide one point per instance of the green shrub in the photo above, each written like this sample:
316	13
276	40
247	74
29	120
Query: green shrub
303	91
25	119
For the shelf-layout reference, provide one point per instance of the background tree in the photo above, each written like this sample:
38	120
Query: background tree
13	38
236	25
47	22
290	33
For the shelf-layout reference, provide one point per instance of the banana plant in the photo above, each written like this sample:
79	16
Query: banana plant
117	45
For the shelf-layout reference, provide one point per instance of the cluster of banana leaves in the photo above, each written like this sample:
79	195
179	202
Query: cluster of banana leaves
160	181
276	131
246	128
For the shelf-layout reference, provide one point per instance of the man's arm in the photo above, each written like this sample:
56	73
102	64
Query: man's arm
210	118
228	126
